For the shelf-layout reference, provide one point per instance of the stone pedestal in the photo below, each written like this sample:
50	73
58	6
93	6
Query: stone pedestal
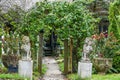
85	69
25	68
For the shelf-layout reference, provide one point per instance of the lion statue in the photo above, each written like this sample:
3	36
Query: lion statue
26	47
87	48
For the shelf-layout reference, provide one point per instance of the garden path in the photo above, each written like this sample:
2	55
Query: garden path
53	72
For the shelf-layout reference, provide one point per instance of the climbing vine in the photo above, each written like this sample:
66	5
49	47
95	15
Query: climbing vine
64	18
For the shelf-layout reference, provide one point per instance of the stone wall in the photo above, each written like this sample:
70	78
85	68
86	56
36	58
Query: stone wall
100	9
24	4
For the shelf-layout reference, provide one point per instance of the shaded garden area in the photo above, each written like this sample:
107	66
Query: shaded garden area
65	26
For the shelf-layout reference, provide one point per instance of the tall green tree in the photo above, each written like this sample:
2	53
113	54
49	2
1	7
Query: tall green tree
76	21
114	18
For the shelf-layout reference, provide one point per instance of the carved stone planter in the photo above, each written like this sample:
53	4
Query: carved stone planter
10	62
102	65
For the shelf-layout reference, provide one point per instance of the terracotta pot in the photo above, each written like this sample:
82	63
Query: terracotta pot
102	65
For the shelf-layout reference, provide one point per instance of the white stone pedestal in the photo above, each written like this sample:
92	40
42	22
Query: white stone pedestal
85	69
25	68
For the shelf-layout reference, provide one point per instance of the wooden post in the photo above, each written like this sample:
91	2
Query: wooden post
65	56
52	43
40	52
71	49
0	49
37	50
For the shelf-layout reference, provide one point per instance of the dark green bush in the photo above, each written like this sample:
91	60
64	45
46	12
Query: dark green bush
116	62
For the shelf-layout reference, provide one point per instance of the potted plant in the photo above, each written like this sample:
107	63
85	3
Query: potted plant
101	61
10	57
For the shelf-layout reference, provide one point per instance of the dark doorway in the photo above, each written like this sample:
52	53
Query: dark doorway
103	25
51	44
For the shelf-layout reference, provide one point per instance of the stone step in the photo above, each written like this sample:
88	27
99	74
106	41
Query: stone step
99	9
104	13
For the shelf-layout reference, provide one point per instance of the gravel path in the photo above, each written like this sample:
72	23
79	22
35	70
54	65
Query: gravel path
53	72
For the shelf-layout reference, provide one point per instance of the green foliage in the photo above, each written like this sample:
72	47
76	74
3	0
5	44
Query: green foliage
0	48
76	21
73	77
110	49
11	42
64	18
12	77
106	77
13	16
44	69
116	61
1	32
113	51
105	46
61	66
114	18
3	69
96	77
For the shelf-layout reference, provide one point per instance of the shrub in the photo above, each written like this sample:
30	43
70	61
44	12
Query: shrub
116	62
61	66
3	70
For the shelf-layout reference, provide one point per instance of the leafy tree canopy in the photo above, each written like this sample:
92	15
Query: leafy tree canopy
66	19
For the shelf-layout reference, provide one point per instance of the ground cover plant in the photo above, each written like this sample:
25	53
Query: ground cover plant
12	77
96	77
4	75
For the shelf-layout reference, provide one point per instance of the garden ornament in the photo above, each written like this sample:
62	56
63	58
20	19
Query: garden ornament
87	48
26	47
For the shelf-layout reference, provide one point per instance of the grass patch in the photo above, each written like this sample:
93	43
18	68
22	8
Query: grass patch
15	76
60	62
96	77
61	66
106	77
73	77
12	77
36	74
44	69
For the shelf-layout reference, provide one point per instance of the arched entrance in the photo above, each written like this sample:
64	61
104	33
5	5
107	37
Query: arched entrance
52	43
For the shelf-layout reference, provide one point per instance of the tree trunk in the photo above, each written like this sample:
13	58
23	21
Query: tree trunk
40	53
71	50
65	56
